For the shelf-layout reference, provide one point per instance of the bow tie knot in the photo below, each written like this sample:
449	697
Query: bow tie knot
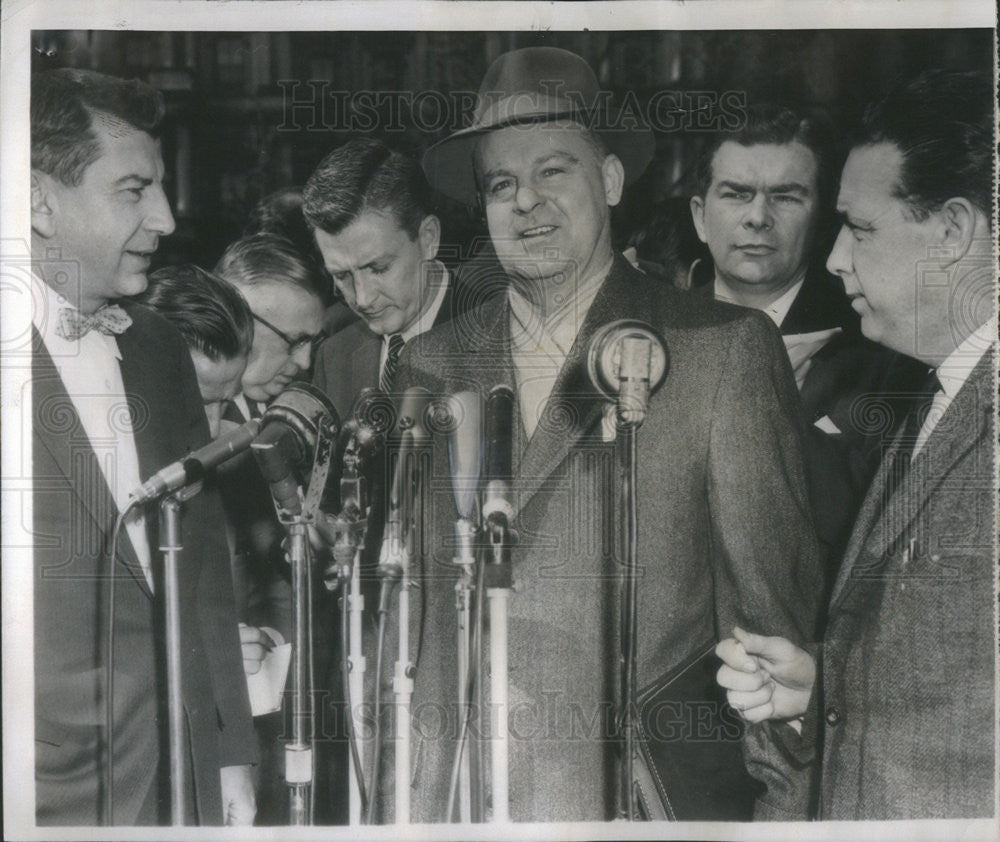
109	319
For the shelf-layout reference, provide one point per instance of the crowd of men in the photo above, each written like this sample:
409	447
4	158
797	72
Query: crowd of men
815	476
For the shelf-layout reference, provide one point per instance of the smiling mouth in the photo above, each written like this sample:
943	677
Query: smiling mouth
538	231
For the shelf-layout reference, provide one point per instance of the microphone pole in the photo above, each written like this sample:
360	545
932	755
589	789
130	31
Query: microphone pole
498	513
299	434
465	457
627	361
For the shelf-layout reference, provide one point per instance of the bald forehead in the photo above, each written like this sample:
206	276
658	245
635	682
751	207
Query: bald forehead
541	138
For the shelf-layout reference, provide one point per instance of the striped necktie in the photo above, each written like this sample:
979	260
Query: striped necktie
391	362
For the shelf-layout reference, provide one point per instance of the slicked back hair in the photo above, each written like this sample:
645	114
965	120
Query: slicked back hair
942	123
210	313
362	175
64	103
268	259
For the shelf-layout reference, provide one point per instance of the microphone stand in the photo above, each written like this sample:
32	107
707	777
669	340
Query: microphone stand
350	527
171	545
299	751
498	581
627	361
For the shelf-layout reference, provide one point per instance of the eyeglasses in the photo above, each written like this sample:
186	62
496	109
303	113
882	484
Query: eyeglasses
294	345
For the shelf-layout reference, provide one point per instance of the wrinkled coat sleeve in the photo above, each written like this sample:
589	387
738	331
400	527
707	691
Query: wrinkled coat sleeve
765	556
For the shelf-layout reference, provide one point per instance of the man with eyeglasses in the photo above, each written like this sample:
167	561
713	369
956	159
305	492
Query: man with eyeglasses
285	298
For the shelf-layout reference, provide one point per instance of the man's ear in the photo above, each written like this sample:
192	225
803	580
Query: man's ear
429	235
613	172
698	216
960	219
44	204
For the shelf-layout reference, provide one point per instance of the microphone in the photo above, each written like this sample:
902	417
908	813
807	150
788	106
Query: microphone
627	361
465	449
277	449
499	454
194	466
409	433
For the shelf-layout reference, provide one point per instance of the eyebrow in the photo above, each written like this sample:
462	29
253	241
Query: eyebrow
844	219
790	187
125	179
566	156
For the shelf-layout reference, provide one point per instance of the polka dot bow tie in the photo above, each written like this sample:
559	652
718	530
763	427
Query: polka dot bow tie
110	319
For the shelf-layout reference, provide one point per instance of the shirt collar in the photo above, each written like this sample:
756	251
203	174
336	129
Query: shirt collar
437	277
777	309
560	327
958	365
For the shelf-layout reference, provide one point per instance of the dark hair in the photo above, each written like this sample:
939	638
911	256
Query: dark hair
366	174
266	258
280	213
770	123
63	105
209	312
942	123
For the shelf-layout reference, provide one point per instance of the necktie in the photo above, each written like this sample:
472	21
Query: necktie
391	362
109	319
256	408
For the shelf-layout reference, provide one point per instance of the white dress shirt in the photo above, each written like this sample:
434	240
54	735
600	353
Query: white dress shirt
953	373
539	346
438	280
90	372
777	309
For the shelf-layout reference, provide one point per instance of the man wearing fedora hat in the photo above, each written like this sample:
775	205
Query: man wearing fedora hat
722	501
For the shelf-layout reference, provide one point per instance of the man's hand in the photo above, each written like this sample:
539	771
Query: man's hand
239	805
256	643
765	677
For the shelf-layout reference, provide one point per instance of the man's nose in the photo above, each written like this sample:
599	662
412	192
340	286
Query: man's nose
839	262
758	213
303	357
159	219
365	292
526	199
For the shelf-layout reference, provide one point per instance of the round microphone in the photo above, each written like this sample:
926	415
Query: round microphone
627	361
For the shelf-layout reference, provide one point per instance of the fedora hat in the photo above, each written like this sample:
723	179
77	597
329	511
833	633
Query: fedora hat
536	85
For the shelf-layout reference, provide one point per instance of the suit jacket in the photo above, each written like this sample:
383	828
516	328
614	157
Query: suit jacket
260	573
908	699
74	514
863	388
724	538
348	362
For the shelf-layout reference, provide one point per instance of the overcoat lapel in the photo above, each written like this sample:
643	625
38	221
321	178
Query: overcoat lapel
964	422
74	456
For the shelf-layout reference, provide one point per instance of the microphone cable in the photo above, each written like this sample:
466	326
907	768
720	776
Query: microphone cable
352	737
385	588
471	683
109	681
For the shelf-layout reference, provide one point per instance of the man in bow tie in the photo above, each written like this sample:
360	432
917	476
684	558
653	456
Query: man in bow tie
898	701
115	398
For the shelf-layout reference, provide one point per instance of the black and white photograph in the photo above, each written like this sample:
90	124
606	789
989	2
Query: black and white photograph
499	420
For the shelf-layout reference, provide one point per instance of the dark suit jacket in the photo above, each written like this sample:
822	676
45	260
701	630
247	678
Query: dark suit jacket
74	514
854	382
724	538
348	362
260	573
908	698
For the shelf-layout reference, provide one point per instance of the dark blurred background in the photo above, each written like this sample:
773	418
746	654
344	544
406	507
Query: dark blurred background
233	136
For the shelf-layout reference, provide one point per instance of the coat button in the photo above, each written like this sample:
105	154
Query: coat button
833	716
